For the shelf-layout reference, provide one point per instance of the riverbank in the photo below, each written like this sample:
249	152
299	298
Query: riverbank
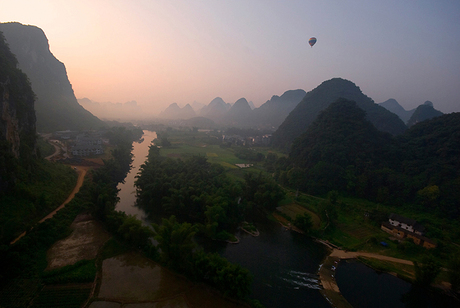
331	291
326	272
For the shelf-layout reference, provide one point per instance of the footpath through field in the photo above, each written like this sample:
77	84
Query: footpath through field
81	170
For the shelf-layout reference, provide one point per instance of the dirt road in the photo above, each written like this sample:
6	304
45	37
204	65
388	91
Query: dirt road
81	176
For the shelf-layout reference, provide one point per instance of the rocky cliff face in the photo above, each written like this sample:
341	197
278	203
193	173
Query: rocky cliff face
17	116
56	106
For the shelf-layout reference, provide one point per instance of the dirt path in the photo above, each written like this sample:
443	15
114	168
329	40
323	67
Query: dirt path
81	175
56	151
341	254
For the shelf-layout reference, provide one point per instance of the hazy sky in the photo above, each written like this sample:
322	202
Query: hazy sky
158	52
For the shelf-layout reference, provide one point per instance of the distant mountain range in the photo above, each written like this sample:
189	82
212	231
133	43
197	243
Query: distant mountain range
113	111
293	111
413	116
274	111
393	106
56	106
242	113
320	98
423	112
215	110
175	112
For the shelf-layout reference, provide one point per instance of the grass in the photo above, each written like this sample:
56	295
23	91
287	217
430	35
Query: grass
294	209
82	271
403	271
45	148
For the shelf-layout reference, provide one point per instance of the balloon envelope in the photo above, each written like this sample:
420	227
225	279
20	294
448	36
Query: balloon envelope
312	41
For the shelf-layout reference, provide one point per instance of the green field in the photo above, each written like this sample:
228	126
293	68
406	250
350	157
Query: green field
293	209
214	153
187	143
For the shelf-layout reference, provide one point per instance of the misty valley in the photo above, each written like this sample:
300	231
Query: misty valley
315	198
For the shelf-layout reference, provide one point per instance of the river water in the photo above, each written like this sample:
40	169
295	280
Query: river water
364	287
284	263
127	190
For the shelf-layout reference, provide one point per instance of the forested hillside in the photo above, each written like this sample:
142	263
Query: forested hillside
320	98
422	113
342	151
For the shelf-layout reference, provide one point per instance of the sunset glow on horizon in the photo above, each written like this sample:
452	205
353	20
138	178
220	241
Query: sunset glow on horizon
162	52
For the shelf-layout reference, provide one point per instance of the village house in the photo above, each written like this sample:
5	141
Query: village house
87	149
86	144
402	227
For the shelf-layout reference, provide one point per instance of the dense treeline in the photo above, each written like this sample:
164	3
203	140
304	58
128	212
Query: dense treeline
199	192
342	151
179	252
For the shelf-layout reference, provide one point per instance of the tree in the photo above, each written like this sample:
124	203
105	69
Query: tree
134	232
175	241
426	272
454	273
304	222
429	195
165	142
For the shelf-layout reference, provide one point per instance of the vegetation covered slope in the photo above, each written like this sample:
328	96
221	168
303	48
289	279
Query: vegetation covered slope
56	106
422	113
431	158
273	112
342	151
320	98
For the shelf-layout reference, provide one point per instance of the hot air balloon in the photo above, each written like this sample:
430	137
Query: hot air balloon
312	41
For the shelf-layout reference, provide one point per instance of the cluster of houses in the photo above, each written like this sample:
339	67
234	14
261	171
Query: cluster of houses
264	140
84	144
401	227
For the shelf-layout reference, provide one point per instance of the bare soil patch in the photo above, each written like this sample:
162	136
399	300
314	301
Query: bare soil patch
87	238
137	282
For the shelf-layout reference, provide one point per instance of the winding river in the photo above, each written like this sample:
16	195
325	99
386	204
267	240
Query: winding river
127	190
